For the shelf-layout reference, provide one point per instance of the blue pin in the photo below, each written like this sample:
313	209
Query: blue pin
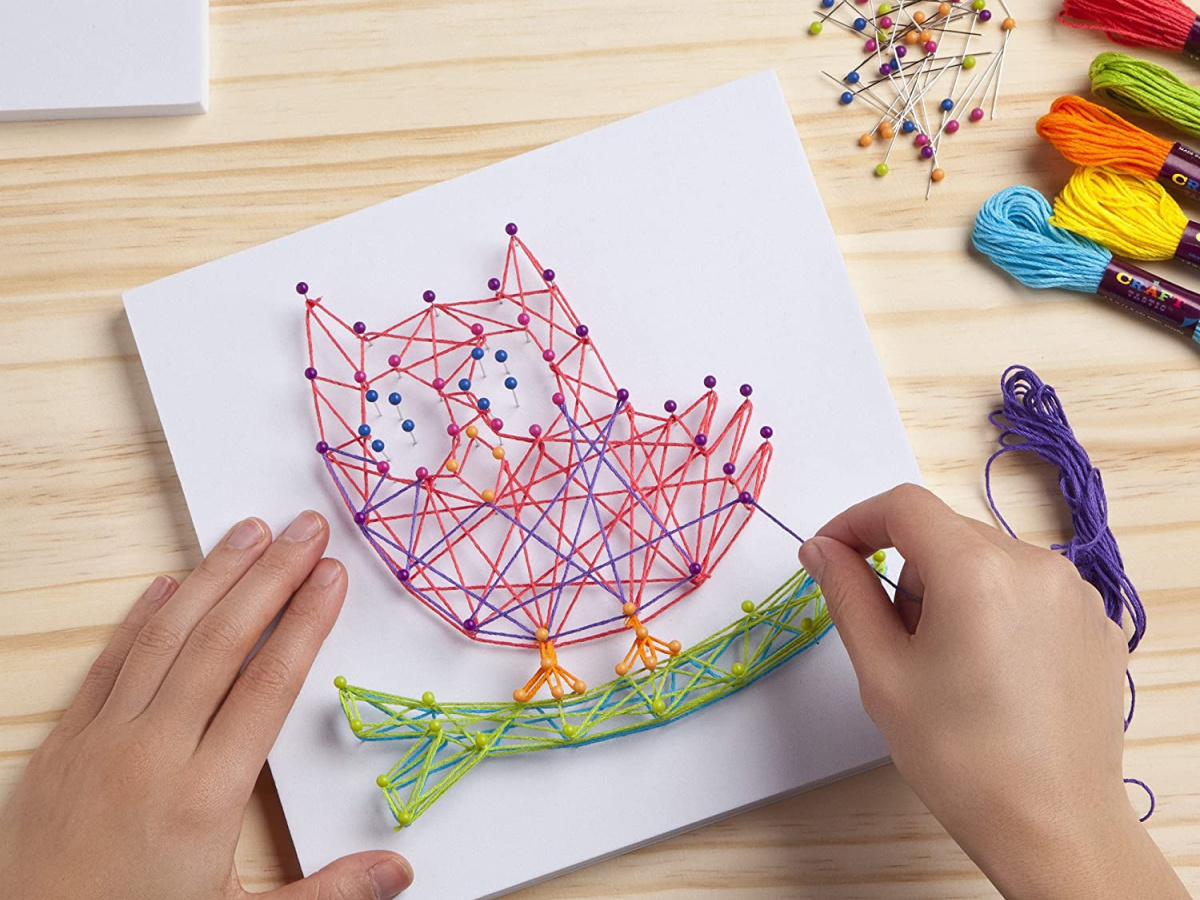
511	383
860	23
372	397
847	97
483	403
502	358
853	78
947	105
377	445
364	429
408	425
464	384
908	127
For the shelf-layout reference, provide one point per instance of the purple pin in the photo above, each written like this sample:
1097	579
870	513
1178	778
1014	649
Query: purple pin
766	432
701	440
493	284
360	327
710	381
548	274
695	568
429	296
360	518
302	287
670	406
310	373
745	390
581	330
729	468
470	624
511	228
402	574
622	395
745	497
322	447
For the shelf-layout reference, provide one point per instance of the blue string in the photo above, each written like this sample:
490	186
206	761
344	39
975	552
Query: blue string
1013	230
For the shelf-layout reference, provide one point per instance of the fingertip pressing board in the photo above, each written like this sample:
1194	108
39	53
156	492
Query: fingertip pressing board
72	59
694	237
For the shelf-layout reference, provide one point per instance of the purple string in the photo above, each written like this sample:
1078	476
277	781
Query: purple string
1032	419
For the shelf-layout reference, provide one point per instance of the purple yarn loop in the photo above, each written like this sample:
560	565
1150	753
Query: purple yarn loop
1032	419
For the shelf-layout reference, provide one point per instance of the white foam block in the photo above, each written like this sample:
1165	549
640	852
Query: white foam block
71	59
692	241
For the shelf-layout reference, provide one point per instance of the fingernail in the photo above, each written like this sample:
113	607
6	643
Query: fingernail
327	571
159	588
390	877
304	527
812	557
245	534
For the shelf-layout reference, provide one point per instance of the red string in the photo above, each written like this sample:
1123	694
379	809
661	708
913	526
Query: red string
1135	23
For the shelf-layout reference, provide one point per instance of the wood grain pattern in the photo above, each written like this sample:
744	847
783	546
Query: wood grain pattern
321	107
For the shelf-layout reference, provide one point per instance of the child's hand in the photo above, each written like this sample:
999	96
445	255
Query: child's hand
1000	695
138	794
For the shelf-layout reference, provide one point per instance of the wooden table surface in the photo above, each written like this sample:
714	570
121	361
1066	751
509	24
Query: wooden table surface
321	107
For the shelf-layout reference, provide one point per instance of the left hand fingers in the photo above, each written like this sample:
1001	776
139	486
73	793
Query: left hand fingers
104	671
218	646
245	728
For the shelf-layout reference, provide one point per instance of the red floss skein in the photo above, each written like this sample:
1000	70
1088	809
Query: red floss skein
1166	24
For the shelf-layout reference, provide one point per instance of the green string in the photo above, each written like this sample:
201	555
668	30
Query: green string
1147	89
446	740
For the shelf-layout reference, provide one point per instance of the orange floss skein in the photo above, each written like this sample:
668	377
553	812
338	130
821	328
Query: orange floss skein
1090	135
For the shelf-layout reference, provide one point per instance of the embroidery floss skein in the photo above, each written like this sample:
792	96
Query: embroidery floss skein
1090	135
1165	24
1032	419
1147	89
1014	231
1131	216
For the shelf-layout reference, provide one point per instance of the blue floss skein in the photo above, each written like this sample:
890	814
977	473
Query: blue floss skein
1013	230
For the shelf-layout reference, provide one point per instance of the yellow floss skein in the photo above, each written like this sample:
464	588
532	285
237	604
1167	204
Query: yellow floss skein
1131	216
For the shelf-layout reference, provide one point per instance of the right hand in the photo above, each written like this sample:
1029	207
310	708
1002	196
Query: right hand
1000	694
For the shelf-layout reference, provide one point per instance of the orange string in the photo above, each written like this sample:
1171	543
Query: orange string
1090	135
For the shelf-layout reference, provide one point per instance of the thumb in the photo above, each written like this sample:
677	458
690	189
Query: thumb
373	875
865	618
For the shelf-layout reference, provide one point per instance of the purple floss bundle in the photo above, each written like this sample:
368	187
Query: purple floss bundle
1032	419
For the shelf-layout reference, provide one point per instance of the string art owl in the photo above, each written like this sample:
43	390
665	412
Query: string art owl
512	485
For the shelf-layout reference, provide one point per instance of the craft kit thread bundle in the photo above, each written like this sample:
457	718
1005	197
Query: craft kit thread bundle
1164	24
1131	216
1014	230
1031	419
1147	89
1090	135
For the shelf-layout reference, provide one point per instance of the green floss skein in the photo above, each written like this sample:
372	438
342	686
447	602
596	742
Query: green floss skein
1147	89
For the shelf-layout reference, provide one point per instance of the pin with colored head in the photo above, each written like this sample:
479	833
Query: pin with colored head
410	426
394	399
502	358
372	397
511	383
477	354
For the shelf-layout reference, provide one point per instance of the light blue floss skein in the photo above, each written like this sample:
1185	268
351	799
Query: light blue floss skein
1013	230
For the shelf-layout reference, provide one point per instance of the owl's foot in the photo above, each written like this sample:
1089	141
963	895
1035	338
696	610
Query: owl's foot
646	646
549	673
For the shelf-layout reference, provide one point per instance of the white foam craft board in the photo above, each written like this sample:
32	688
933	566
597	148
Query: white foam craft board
70	59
